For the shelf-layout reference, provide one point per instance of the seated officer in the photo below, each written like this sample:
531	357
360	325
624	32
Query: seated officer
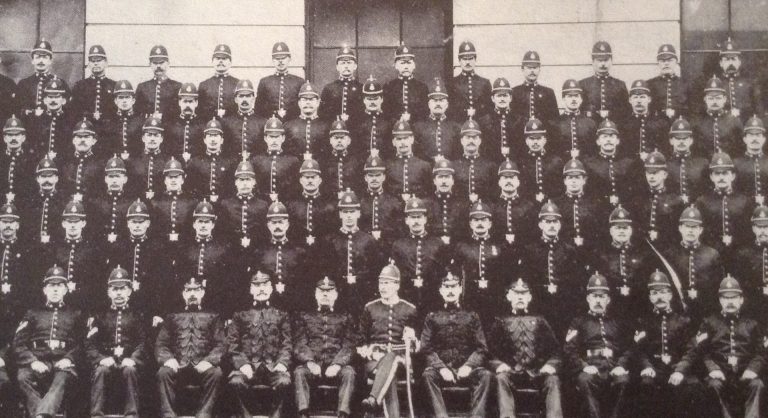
454	345
115	346
732	346
260	339
387	322
189	347
46	346
324	342
522	353
596	348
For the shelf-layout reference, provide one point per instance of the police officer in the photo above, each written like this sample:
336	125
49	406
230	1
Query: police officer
470	94
278	93
123	129
530	99
380	211
698	264
42	214
306	134
539	169
259	339
716	130
405	97
523	349
686	167
514	213
422	257
158	96
82	171
408	174
583	221
284	260
276	170
210	174
436	135
732	347
109	209
183	135
47	347
146	168
244	128
605	96
386	326
352	254
752	166
597	350
342	98
324	342
612	176
116	346
8	105
188	349
373	132
454	345
742	91
313	212
51	131
449	210
16	163
657	206
16	291
29	92
502	125
642	131
473	173
217	92
661	343
669	92
572	132
91	96
244	213
342	167
750	261
172	209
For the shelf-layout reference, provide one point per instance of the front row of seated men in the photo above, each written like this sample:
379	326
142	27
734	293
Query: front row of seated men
263	345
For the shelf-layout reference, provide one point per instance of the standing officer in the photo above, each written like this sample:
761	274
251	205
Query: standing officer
16	163
51	131
469	93
259	339
108	209
47	347
386	322
473	172
742	92
115	346
422	257
146	168
341	166
29	92
524	350
91	96
372	135
750	261
405	97
184	134
453	343
408	175
449	210
278	93
42	213
605	97
172	209
613	177
380	211
643	131
210	174
502	125
688	169
158	96
188	349
243	214
515	214
572	132
662	338
584	215
313	212
217	93
82	171
16	291
244	128
752	166
716	129
530	99
657	206
436	135
276	170
324	343
123	128
731	346
342	98
307	133
539	169
597	350
669	93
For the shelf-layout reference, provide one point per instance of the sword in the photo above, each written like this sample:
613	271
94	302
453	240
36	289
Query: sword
408	372
672	274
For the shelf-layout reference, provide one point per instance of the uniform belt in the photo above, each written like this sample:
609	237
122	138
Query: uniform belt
600	352
52	344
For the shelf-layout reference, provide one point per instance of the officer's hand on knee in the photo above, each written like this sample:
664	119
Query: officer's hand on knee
590	370
63	364
618	371
447	374
332	370
547	369
676	378
156	320
203	366
247	370
107	362
313	367
717	375
648	372
2	363
463	372
503	368
280	368
128	362
748	375
172	364
39	367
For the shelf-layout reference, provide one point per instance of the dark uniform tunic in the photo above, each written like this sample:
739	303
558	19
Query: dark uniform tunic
153	284
448	216
243	220
312	217
606	97
643	134
82	174
209	259
531	100
183	137
342	171
474	177
108	217
172	216
407	175
7	98
42	218
405	95
17	176
540	174
422	261
752	176
145	172
469	91
286	262
627	267
373	132
750	267
481	263
29	92
515	219
122	135
92	98
354	258
276	175
688	176
437	136
50	133
279	91
84	264
158	96
583	220
211	176
612	178
717	131
342	97
502	136
726	219
244	132
669	96
217	96
572	134
656	214
306	135
699	268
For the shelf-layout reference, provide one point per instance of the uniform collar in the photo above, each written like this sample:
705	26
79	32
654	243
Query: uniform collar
419	236
549	241
3	241
479	238
451	306
160	79
340	154
259	304
244	114
15	153
576	112
715	113
508	198
607	156
471	157
640	115
437	118
401	78
193	307
693	246
138	240
325	308
574	196
395	300
376	113
406	156
346	79
531	84
375	193
279	241
305	117
468	73
349	231
71	241
245	197
125	113
119	308
213	154
760	154
221	75
199	239
86	154
537	154
596	315
664	312
620	245
314	195
281	73
660	190
602	76
723	193
154	152
730	316
501	112
51	305
681	155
